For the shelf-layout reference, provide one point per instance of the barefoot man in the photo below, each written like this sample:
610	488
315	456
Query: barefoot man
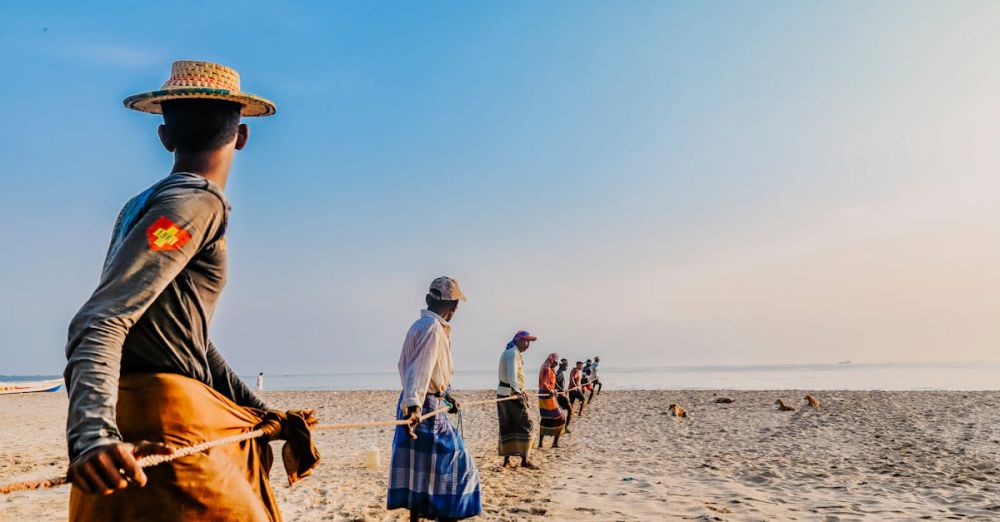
576	387
431	473
553	421
515	423
142	374
595	377
563	396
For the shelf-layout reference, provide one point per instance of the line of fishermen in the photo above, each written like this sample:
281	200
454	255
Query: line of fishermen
431	472
143	376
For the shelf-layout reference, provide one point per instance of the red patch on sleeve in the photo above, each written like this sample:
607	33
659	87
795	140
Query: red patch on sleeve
166	235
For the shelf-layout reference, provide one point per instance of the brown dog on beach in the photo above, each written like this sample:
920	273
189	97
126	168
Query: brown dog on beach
812	402
677	411
782	406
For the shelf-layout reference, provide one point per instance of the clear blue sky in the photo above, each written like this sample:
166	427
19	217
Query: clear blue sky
656	182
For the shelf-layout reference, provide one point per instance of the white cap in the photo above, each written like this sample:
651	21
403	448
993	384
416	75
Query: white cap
447	289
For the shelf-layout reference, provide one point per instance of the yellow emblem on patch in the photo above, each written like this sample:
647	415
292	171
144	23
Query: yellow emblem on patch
166	235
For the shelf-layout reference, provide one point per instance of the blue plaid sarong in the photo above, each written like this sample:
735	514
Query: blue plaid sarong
433	475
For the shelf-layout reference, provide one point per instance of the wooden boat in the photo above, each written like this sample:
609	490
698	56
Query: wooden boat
10	388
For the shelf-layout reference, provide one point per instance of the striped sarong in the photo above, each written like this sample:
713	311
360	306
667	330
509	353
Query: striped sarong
515	428
433	475
553	420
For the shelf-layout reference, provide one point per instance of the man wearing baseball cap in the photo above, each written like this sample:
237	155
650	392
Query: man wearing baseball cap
515	423
431	473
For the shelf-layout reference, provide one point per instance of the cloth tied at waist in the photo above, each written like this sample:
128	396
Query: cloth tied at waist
227	482
299	455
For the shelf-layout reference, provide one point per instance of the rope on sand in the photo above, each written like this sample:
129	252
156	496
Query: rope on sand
35	484
155	460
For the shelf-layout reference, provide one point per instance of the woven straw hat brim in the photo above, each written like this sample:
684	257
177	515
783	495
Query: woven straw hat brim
150	101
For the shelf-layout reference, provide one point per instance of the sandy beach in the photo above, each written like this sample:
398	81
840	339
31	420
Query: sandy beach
875	455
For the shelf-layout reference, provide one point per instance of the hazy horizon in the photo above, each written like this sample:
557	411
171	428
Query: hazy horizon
659	183
976	376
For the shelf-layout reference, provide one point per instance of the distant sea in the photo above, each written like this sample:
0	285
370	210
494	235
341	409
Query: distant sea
856	376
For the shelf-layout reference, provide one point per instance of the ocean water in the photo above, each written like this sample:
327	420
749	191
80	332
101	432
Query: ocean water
881	376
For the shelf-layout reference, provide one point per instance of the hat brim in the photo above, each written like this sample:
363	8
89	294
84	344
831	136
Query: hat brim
150	101
529	338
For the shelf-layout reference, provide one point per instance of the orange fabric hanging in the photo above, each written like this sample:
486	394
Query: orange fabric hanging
225	483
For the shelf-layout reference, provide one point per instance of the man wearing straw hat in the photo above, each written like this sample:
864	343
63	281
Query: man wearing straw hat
516	439
142	374
431	473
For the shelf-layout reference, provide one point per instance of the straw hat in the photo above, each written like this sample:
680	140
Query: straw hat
201	80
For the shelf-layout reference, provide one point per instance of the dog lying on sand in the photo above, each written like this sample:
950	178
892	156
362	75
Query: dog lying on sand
811	401
677	411
782	406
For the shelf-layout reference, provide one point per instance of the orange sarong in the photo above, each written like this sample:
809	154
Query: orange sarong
227	482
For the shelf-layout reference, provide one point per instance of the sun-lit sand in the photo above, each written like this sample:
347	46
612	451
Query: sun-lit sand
880	455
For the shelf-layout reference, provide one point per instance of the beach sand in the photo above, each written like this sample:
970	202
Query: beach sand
875	455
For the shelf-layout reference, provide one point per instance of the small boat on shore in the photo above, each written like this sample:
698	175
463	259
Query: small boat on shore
11	388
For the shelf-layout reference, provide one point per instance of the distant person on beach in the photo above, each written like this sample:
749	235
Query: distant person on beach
515	423
588	387
576	387
595	378
141	369
431	473
563	396
260	381
552	422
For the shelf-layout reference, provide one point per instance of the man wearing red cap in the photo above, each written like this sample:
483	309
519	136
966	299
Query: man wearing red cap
515	424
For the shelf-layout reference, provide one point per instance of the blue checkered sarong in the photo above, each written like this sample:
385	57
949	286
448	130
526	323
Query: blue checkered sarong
433	475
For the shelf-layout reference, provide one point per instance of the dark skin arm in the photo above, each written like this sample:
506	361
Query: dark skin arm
413	419
455	405
413	415
106	469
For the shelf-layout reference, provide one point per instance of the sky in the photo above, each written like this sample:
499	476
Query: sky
659	183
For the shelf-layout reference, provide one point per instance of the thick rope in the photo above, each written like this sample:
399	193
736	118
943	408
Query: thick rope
155	460
387	424
144	462
377	424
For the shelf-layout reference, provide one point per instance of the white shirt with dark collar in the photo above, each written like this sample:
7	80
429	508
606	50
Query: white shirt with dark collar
511	372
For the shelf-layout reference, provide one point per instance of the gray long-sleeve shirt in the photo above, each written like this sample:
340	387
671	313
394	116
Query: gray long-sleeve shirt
162	277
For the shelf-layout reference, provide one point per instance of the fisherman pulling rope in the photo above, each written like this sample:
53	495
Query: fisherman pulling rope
552	418
140	363
515	437
148	389
431	473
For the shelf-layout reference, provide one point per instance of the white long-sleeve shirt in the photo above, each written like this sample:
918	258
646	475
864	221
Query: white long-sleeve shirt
511	371
425	361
